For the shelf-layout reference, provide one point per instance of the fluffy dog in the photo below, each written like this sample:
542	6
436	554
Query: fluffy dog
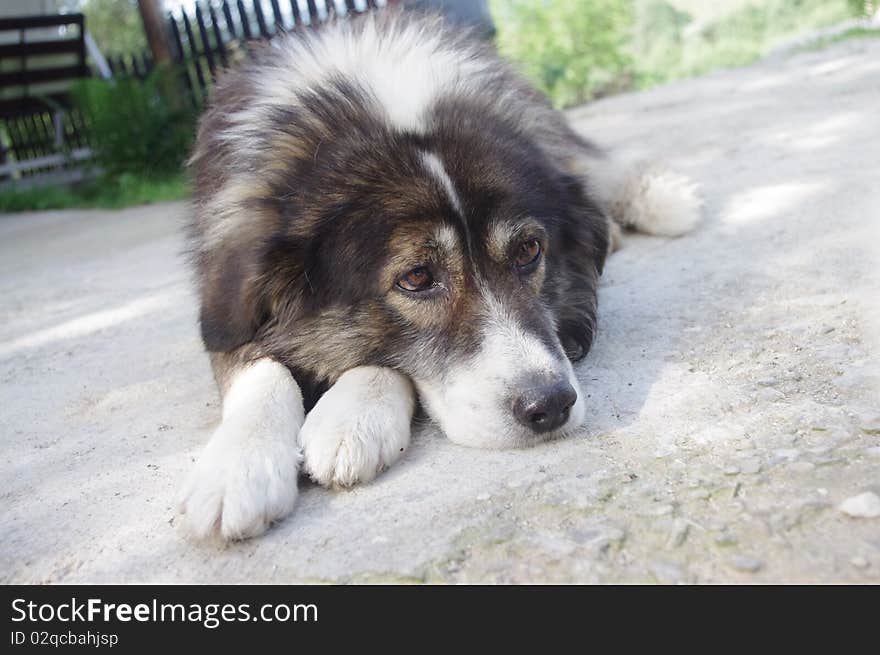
385	211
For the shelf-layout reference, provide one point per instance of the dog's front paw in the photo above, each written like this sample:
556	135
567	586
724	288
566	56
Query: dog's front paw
359	427
237	492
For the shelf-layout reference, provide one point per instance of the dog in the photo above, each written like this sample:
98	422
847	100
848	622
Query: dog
387	214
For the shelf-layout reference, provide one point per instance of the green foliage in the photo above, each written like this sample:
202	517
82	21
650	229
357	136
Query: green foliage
140	135
863	7
136	126
106	193
115	25
735	39
574	49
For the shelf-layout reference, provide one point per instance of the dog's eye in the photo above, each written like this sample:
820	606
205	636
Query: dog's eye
418	279
528	253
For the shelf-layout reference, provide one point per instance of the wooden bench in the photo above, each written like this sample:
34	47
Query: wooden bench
40	56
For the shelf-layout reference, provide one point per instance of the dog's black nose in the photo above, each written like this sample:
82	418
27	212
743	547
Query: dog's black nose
545	408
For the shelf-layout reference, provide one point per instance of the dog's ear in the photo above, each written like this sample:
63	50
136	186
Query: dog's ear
600	230
592	234
583	250
576	337
232	307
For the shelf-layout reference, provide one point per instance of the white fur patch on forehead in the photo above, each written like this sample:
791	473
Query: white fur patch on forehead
435	167
405	66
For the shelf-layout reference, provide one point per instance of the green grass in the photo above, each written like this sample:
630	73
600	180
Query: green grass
123	191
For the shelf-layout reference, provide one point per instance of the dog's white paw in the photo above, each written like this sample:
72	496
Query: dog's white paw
246	476
359	427
235	493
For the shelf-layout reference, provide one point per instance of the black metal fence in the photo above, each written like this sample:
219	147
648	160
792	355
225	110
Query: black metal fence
131	65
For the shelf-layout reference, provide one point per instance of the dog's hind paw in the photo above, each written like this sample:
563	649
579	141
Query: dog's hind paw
663	202
359	427
646	196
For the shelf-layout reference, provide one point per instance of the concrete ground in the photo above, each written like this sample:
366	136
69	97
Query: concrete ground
734	390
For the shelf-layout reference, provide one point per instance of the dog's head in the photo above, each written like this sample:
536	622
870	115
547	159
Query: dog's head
461	255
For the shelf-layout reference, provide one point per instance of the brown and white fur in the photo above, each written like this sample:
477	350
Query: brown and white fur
387	214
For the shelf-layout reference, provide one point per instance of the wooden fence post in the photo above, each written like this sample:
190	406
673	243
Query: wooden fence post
154	28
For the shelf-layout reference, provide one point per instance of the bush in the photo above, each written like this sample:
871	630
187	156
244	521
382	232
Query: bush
115	24
135	126
737	38
863	7
577	50
574	50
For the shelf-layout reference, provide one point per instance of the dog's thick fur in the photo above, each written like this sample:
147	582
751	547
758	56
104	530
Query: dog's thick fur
331	171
